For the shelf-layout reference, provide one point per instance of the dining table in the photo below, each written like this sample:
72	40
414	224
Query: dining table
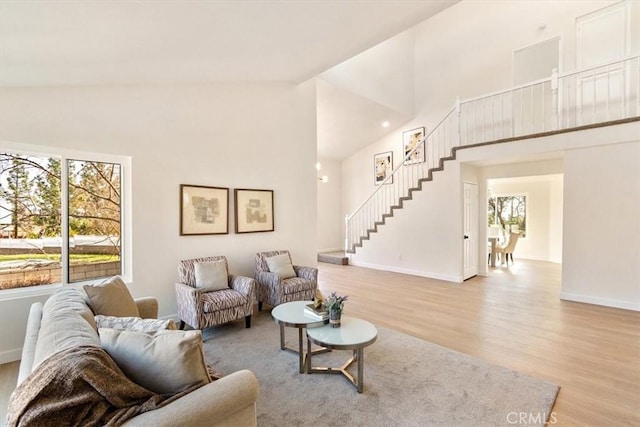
494	242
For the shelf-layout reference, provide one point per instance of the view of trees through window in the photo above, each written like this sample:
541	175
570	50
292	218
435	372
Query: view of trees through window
509	212
31	206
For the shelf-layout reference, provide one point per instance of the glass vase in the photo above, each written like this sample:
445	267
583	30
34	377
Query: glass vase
334	318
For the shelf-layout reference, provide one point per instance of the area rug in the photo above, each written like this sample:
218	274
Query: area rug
407	382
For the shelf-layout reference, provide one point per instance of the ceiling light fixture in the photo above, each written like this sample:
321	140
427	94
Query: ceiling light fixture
385	124
318	166
324	179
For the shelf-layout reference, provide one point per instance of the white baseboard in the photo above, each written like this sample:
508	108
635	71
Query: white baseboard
607	302
10	355
420	273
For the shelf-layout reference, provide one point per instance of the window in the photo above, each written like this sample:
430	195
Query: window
509	213
60	219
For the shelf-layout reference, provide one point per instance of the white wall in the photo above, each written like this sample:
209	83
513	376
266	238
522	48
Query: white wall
556	216
330	217
470	59
451	59
425	237
383	73
601	255
230	135
467	50
438	253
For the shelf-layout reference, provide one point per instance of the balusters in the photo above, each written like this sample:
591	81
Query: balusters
638	86
608	90
594	96
472	124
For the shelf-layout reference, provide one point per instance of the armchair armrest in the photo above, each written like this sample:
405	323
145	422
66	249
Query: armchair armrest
189	306
245	285
227	401
310	273
267	277
148	307
268	287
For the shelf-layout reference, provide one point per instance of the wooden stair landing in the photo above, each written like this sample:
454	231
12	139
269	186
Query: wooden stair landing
338	258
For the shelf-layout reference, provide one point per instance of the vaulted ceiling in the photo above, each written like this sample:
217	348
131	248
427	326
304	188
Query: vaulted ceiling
57	43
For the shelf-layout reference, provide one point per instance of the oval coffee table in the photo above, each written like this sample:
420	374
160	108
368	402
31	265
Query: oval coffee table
292	314
353	334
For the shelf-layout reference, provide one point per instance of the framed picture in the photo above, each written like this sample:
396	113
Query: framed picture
254	210
203	210
410	140
383	167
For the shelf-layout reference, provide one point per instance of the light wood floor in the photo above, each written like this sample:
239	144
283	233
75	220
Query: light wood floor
512	318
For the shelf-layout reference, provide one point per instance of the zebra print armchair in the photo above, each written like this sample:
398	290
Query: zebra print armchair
204	309
273	290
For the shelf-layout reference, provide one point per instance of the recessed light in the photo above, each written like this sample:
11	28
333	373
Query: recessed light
385	124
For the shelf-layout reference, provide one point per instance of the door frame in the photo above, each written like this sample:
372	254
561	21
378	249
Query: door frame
470	231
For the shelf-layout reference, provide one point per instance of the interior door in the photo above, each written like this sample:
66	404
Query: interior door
470	230
533	106
602	37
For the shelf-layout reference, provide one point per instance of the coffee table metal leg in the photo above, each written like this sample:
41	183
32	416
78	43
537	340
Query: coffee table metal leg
302	356
307	365
360	357
357	356
282	337
301	350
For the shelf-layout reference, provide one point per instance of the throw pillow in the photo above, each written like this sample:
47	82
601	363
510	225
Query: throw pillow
211	276
134	323
281	265
162	361
112	298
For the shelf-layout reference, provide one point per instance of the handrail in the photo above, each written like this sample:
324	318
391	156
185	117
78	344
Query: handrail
362	221
546	79
607	64
420	143
500	92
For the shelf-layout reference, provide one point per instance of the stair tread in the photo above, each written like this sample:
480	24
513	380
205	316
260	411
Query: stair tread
401	200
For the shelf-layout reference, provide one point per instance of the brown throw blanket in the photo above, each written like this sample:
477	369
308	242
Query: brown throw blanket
80	386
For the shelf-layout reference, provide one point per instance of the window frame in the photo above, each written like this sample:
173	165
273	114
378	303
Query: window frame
126	247
526	207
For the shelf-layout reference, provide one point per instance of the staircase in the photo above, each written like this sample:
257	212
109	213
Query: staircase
608	94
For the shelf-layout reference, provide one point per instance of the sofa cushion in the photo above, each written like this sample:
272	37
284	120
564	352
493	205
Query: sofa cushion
211	276
281	265
162	361
134	323
67	321
112	298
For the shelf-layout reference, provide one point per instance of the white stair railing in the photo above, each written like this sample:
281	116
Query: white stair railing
595	95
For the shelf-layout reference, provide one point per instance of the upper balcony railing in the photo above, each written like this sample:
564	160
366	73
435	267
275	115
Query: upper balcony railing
570	100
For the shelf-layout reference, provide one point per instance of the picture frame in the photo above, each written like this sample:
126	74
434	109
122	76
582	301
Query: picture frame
383	167
254	211
410	139
203	210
